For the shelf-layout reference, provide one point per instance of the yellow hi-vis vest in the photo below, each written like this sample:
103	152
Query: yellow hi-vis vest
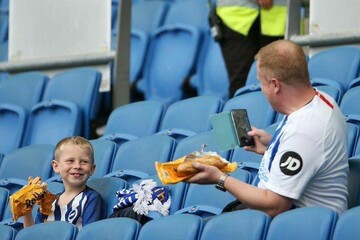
239	15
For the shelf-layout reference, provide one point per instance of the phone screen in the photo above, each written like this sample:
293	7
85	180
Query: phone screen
242	127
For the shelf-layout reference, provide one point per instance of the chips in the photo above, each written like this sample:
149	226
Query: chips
23	201
168	174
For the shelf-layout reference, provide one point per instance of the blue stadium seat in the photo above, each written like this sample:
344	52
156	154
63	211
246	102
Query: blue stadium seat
23	89
4	20
261	114
136	159
12	127
211	78
349	105
332	91
246	224
104	153
170	61
139	45
339	65
190	116
175	227
347	225
353	132
7	232
4	196
353	182
110	229
4	51
303	223
107	187
198	202
84	92
24	162
50	121
252	75
55	230
134	120
194	143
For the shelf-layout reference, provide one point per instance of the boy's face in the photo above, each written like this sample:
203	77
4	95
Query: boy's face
74	166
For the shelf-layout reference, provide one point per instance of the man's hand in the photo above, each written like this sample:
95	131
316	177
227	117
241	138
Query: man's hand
266	4
207	175
261	139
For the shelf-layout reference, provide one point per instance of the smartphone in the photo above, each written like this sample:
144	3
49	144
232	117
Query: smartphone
242	127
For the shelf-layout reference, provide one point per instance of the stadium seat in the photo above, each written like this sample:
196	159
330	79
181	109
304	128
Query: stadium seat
354	182
12	126
353	133
198	202
246	224
347	225
4	20
196	142
55	230
107	187
170	61
261	114
339	65
50	121
303	223
134	120
175	227
4	196
349	105
17	166
332	91
190	116
211	78
23	89
252	75
7	232
104	153
139	45
136	159
4	50
110	229
84	92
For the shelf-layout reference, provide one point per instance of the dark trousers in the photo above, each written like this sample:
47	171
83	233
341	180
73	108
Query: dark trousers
239	51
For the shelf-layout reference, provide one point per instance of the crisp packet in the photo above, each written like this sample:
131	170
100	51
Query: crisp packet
23	201
168	175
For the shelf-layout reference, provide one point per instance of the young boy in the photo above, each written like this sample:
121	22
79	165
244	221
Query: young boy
78	204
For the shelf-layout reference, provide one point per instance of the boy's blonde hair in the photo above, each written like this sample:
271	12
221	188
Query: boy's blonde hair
76	140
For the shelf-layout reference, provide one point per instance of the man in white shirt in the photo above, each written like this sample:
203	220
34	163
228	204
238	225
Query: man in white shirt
305	162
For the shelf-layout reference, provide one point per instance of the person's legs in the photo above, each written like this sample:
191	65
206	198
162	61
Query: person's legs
238	52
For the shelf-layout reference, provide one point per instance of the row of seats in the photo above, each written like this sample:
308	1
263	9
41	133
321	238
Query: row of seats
33	107
302	223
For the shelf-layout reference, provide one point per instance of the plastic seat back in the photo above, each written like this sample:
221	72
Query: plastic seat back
104	153
339	64
7	232
4	196
52	120
110	229
84	92
246	224
303	223
198	202
349	105
107	187
196	142
134	120
260	112
55	230
136	159
175	227
347	225
23	89
17	166
12	126
170	60
176	119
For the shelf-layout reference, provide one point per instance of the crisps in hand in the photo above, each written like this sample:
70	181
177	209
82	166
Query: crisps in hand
181	169
23	201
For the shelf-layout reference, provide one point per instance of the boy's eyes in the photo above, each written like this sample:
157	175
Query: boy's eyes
83	162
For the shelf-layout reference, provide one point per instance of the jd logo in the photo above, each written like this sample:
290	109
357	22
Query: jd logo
290	163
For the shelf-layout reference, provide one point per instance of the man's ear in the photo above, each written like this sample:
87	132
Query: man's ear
55	166
275	83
